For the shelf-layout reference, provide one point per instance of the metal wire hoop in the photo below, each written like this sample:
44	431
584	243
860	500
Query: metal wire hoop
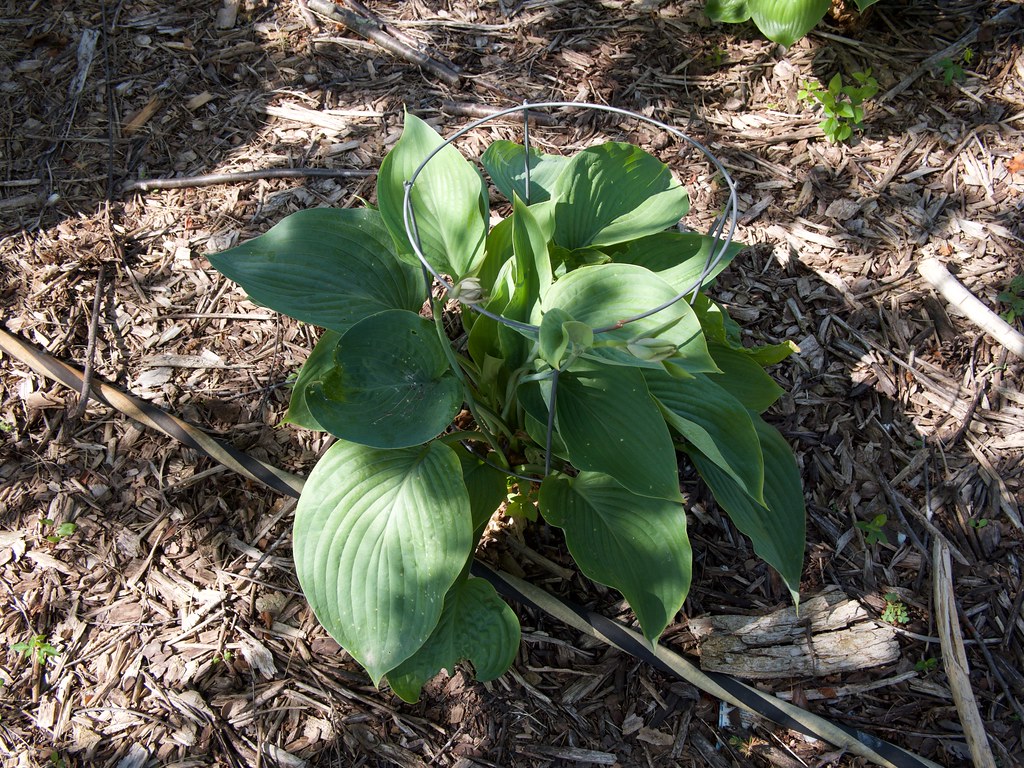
724	223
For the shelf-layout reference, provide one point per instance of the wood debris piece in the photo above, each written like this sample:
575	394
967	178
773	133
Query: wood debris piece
371	31
227	15
955	293
832	635
143	116
954	658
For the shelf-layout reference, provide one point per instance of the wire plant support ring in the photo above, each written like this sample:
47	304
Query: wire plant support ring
722	230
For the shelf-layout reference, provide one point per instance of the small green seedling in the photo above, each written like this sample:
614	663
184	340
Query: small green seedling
1013	298
895	610
225	657
953	69
37	647
62	531
842	105
978	522
924	666
873	533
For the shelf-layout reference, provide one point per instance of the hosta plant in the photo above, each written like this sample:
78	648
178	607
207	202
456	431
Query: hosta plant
782	21
551	383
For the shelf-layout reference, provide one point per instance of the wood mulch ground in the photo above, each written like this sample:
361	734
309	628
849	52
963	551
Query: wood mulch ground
180	638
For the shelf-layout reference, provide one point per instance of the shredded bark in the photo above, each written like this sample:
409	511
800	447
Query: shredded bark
181	636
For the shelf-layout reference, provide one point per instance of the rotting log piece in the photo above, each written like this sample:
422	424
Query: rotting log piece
832	635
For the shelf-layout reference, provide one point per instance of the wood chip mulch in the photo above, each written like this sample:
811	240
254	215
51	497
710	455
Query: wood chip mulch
178	635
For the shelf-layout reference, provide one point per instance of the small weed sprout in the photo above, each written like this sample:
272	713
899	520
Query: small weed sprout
37	648
895	610
953	68
842	105
924	666
61	532
873	533
1013	298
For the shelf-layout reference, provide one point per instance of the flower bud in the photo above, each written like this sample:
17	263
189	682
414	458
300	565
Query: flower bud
651	350
468	291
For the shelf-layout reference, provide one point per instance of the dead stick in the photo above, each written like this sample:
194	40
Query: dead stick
90	348
954	292
209	179
371	31
954	658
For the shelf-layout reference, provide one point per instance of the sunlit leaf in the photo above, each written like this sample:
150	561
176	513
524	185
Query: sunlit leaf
504	161
612	193
678	258
635	544
449	200
326	266
379	538
606	294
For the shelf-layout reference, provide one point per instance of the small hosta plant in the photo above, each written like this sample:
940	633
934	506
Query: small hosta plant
553	383
781	21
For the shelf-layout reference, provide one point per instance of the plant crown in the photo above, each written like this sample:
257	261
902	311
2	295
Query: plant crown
555	398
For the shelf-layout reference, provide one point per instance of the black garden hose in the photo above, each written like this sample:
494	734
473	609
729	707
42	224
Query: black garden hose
612	633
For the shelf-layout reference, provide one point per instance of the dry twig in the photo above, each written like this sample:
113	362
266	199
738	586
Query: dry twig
371	31
209	179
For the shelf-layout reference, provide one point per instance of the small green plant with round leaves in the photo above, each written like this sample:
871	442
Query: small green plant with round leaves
842	105
895	610
872	529
577	377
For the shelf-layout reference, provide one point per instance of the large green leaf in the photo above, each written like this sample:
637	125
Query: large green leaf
677	258
476	625
744	379
728	11
606	294
504	161
319	362
449	200
786	21
612	193
326	266
379	538
777	529
611	424
715	422
391	386
637	545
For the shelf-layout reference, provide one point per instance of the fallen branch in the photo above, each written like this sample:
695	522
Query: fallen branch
233	177
371	31
954	292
